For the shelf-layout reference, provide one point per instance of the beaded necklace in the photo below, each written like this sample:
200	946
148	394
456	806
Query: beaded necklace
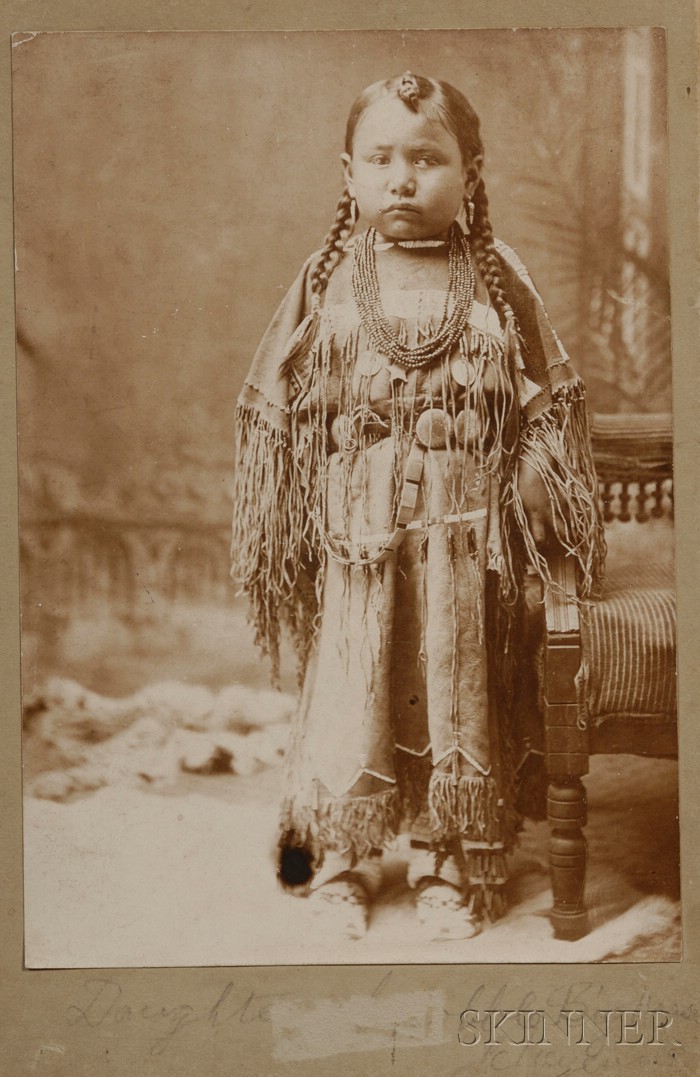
460	288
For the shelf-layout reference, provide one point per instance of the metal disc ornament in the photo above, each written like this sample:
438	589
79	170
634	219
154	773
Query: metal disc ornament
465	429
462	371
434	428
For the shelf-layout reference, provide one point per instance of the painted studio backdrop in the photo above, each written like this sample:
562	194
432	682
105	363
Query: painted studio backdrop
168	186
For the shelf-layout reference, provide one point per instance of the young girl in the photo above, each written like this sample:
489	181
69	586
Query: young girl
410	436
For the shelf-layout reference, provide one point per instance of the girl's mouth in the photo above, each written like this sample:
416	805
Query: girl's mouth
402	207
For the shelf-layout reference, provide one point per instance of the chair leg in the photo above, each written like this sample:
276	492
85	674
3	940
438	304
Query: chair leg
566	812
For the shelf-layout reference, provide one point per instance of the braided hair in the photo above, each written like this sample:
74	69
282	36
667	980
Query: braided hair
333	245
484	251
440	102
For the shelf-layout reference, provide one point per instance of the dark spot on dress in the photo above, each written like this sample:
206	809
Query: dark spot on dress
295	865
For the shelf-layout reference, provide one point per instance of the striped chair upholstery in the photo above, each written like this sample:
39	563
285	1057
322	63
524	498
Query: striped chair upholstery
628	642
609	670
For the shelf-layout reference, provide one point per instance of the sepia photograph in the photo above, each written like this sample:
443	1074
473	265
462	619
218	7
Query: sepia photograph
346	506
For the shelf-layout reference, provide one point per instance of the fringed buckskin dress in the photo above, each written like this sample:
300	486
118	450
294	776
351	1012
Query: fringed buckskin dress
377	515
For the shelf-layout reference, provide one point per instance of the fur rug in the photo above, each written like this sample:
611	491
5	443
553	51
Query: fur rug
123	877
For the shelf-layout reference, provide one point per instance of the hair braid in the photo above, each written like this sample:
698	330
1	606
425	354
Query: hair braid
481	241
333	245
486	258
303	338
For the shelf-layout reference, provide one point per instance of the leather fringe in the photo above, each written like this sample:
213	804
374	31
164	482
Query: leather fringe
557	445
466	807
355	825
269	548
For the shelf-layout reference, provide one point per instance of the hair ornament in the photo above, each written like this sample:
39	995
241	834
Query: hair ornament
409	91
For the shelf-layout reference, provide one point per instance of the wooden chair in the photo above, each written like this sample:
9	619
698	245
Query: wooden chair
609	668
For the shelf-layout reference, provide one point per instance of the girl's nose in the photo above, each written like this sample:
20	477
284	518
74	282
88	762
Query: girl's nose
403	182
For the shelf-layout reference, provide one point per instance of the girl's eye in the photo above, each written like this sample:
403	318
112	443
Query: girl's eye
379	159
425	159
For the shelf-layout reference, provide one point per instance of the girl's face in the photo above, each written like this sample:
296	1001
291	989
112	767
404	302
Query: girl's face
406	172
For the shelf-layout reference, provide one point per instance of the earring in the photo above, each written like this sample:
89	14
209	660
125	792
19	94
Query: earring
470	215
353	213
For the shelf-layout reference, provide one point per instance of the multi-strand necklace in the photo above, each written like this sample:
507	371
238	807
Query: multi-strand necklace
459	297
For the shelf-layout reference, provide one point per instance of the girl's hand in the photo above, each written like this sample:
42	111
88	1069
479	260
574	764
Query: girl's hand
538	509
